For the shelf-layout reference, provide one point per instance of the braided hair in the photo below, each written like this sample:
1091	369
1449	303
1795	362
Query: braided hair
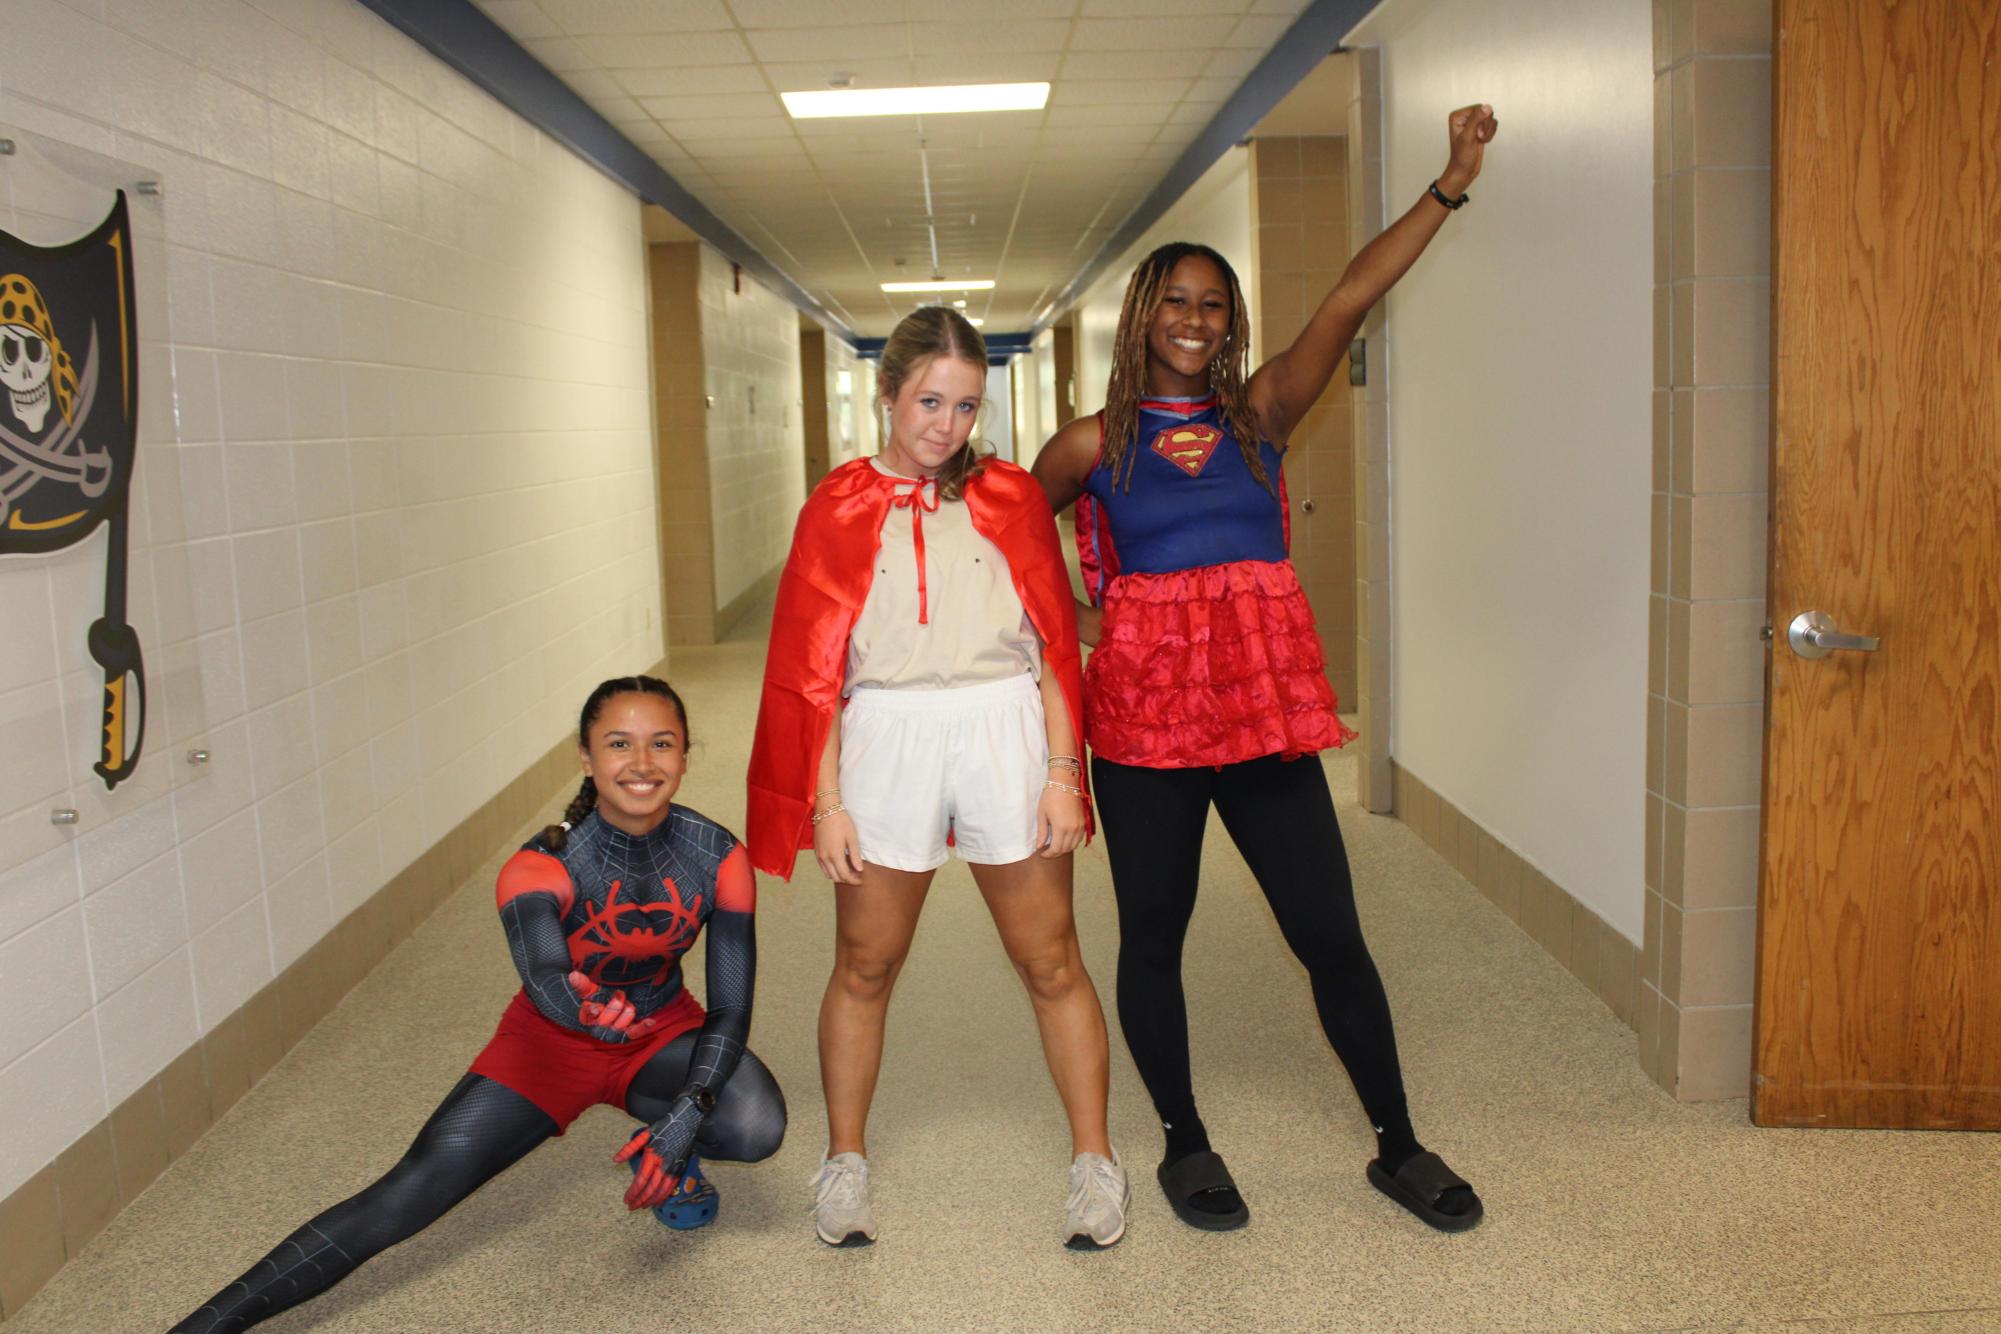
586	800
927	332
1229	373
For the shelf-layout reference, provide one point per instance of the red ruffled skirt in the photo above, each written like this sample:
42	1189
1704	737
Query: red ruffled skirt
1209	666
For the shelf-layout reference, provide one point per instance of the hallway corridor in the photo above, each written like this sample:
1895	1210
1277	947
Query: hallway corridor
1609	1205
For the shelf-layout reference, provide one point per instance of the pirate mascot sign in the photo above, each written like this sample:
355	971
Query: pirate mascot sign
69	365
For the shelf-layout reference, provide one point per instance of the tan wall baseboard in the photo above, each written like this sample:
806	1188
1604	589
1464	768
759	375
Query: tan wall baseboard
1595	953
49	1220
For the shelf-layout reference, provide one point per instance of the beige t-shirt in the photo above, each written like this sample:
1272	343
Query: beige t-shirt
974	631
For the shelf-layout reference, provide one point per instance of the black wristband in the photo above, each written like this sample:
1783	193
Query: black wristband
701	1095
1446	199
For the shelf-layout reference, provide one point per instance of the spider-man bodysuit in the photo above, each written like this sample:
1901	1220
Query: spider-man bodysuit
597	930
603	924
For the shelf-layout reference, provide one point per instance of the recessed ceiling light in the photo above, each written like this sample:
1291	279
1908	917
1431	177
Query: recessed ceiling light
917	101
943	285
976	323
960	304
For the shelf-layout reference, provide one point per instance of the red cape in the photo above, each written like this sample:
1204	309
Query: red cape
820	594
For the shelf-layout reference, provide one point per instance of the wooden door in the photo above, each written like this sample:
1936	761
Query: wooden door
1879	953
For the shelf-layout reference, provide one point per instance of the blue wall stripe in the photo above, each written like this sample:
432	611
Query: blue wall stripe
458	33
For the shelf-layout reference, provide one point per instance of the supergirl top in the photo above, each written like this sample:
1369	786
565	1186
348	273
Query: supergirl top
941	611
1207	653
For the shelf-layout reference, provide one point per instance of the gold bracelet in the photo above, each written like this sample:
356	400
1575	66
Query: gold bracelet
827	792
1065	787
1070	762
834	809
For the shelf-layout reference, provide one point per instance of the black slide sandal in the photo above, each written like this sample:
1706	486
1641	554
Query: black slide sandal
1188	1177
1419	1185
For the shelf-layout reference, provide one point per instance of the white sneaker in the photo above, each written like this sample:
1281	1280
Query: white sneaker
1099	1194
841	1212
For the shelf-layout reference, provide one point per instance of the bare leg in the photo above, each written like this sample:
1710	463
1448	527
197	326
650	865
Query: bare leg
1030	903
873	924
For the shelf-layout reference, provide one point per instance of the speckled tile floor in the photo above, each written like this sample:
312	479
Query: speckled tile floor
1610	1207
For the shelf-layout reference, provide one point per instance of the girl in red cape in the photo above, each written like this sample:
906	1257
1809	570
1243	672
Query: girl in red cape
922	690
1207	685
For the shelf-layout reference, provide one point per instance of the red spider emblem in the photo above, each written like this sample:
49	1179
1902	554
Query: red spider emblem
630	944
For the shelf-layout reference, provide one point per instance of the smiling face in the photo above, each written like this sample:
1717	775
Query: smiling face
1188	328
637	755
932	414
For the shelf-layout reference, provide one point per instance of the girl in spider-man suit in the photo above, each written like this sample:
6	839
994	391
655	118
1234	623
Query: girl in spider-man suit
598	912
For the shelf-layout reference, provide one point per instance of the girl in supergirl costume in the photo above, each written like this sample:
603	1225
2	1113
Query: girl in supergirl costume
922	689
1208	685
598	912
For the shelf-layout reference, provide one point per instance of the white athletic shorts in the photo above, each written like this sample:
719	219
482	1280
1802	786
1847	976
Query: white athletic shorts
919	764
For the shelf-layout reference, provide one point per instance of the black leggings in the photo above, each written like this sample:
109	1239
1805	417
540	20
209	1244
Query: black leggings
1281	817
480	1130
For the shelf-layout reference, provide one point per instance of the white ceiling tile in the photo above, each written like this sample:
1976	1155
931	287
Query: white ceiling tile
1292	7
583	18
521	18
560	53
724	150
1210	89
1185	33
617	109
1193	113
684	80
747	107
1259	33
1231	64
809	13
1159	8
1144	113
657	50
979	11
1093	92
590	83
1014	37
775	128
862	41
881	71
1128	66
993	67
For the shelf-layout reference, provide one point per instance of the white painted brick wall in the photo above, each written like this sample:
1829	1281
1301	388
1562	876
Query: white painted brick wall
392	513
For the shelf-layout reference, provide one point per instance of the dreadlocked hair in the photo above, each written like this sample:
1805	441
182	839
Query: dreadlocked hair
927	332
586	800
1229	373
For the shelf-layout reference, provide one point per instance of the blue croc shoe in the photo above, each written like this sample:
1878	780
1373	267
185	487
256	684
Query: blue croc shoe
693	1203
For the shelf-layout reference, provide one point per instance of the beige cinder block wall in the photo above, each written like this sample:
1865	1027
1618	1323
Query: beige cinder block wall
681	420
1299	208
1705	710
756	431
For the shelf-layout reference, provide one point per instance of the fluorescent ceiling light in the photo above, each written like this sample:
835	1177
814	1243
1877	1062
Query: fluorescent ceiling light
916	101
976	323
943	285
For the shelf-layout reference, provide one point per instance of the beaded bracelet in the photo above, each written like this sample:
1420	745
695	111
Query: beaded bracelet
1065	787
834	809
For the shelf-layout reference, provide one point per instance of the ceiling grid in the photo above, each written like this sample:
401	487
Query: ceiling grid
1023	197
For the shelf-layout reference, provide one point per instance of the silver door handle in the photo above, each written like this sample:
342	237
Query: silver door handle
1813	635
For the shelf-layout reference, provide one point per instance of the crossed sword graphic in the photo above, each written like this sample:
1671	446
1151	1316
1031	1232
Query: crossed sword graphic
114	645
